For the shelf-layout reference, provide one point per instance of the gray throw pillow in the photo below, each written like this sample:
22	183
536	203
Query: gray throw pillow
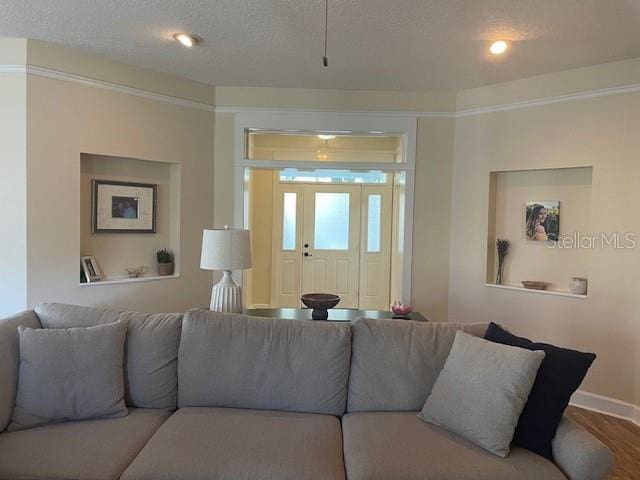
70	374
482	390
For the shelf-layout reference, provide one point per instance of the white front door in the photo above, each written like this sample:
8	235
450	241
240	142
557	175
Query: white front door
331	241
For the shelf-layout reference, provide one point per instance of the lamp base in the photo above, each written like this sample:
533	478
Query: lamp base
226	295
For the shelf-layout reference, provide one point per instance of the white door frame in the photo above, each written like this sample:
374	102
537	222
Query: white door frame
301	121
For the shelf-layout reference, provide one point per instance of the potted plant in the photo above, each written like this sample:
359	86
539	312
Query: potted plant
165	262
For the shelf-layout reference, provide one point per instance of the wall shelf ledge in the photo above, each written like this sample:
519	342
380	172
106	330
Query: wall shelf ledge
113	281
543	292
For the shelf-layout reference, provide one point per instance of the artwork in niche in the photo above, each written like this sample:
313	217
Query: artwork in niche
123	207
90	269
542	221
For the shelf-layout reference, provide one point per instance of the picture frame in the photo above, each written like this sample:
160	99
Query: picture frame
90	268
123	207
542	220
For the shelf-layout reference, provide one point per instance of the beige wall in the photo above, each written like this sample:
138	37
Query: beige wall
74	61
66	119
601	132
261	226
432	217
334	100
13	192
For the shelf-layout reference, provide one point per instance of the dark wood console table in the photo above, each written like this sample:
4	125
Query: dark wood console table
335	314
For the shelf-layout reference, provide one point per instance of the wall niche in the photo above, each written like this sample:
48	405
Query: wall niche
115	252
539	260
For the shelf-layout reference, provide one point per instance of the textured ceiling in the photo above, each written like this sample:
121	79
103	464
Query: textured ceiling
373	44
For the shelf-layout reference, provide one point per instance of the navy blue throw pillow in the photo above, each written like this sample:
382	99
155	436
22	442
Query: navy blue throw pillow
560	374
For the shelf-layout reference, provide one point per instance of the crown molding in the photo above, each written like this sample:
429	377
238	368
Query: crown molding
538	102
376	113
113	87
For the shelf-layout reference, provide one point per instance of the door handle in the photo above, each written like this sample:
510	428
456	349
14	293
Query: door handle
307	254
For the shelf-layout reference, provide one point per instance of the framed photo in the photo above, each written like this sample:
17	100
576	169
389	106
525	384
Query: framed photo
542	220
90	269
123	207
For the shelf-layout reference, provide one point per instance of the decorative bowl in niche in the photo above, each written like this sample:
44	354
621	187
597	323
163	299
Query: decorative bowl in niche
320	303
135	272
534	285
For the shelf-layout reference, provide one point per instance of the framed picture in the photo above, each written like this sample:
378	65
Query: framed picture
90	268
123	207
542	220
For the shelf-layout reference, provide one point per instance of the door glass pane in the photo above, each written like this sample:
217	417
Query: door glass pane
331	228
373	223
289	221
331	176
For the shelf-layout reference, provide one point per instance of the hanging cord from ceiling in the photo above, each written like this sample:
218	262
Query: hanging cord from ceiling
325	60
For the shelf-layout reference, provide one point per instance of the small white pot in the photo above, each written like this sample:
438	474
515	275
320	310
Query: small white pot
578	286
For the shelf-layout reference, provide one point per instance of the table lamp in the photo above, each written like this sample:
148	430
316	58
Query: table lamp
226	249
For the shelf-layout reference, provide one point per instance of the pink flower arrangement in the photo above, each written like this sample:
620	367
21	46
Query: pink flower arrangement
401	309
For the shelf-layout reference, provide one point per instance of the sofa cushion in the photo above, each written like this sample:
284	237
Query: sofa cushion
229	360
70	374
559	376
91	449
226	443
396	362
388	445
482	390
10	360
151	350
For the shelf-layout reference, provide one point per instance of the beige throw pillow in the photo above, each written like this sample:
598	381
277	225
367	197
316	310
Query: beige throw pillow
481	391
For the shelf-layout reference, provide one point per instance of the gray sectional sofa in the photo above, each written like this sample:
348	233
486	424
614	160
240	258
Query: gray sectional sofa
219	396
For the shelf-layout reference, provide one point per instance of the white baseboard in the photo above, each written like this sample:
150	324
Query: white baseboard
606	405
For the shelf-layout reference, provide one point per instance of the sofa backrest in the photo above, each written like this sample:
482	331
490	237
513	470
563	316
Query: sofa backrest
151	350
10	360
229	360
395	363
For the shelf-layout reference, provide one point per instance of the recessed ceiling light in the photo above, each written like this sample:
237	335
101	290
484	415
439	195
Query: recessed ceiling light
498	47
187	39
326	138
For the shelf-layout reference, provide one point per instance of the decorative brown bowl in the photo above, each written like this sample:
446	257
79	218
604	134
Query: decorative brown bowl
534	285
320	303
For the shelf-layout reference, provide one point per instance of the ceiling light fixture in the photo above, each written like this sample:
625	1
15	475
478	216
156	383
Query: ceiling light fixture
187	39
326	138
498	47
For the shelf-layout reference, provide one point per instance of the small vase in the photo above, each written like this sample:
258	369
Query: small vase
165	269
499	276
578	286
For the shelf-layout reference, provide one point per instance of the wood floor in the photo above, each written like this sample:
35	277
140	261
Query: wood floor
621	436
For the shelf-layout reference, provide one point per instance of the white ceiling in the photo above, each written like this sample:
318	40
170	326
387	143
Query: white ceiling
373	44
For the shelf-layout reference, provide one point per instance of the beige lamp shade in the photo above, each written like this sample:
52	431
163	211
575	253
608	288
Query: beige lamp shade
225	249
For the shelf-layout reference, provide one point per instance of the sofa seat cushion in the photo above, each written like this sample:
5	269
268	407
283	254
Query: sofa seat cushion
82	450
398	446
224	443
